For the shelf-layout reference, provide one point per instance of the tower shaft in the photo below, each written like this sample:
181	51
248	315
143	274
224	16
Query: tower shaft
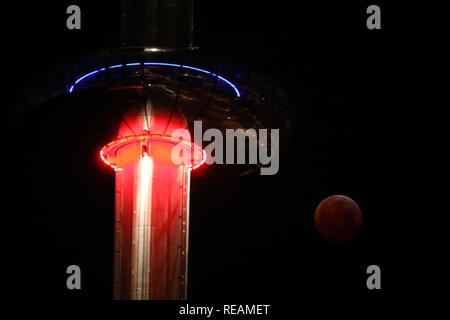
151	228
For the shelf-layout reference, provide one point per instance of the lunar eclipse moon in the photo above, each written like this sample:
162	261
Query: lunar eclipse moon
338	218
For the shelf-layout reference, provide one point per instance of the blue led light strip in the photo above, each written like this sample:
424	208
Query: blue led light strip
238	94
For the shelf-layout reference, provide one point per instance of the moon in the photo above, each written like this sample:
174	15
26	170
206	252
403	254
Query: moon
338	218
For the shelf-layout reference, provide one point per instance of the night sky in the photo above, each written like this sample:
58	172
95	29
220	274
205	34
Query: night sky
356	133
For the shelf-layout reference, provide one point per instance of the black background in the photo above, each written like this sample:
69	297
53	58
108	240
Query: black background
361	130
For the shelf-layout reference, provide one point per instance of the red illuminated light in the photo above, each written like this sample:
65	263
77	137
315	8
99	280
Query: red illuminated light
108	152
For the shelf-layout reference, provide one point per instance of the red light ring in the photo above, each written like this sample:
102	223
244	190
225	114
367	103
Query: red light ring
108	152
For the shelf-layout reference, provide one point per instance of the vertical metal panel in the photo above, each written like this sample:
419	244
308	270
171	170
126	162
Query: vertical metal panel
156	23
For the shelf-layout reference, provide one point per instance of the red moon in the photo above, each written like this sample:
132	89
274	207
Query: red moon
338	218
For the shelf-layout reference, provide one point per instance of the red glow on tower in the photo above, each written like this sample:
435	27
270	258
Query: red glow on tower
151	203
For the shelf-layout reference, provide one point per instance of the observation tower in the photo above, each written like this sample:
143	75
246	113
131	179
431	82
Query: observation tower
153	85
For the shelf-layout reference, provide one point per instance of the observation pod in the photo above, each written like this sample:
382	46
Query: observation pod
151	222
